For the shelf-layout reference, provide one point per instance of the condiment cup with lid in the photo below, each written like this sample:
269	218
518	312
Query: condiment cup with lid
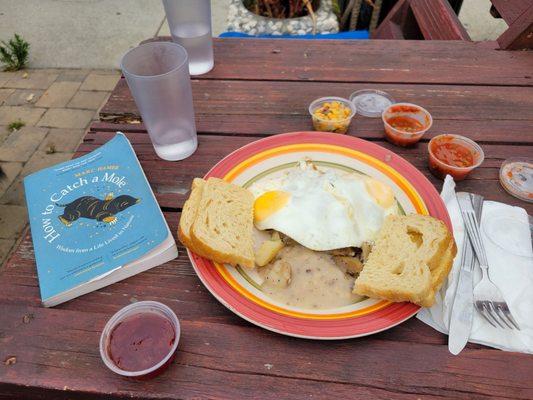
405	123
140	340
332	114
454	155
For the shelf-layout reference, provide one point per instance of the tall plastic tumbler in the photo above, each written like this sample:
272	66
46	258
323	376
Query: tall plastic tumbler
159	80
190	25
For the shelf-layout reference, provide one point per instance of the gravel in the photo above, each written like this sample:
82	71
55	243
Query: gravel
242	20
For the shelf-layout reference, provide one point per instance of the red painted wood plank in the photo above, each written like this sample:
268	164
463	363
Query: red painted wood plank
421	19
484	131
370	61
510	10
171	182
437	20
223	361
487	113
388	30
391	26
228	98
519	36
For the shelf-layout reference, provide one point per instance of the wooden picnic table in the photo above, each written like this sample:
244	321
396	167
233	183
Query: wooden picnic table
260	88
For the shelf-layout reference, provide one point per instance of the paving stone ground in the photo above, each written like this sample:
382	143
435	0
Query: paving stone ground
56	107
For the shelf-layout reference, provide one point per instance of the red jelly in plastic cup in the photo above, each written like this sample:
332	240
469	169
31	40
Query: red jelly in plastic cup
140	340
405	123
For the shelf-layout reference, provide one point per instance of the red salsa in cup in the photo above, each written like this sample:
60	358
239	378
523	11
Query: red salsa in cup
454	155
405	123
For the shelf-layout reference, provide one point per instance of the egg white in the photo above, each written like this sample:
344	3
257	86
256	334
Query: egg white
326	210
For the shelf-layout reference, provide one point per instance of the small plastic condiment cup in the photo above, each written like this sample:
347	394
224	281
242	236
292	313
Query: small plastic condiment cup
516	177
403	138
440	169
140	307
326	125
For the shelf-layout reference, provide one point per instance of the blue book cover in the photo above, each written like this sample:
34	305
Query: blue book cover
90	216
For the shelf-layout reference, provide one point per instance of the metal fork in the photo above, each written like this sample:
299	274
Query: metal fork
488	299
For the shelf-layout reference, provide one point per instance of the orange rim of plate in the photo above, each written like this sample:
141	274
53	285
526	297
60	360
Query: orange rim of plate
360	322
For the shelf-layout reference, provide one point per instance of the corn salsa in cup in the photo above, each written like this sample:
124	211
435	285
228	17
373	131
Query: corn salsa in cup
332	114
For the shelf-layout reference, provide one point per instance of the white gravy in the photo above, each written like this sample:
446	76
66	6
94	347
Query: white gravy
313	282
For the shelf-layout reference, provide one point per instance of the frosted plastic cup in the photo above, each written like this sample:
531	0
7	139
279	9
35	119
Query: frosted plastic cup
158	78
190	26
141	307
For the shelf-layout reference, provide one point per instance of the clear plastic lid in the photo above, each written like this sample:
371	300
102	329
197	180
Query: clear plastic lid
370	102
516	177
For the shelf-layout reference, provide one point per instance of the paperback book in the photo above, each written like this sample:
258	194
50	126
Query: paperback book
94	221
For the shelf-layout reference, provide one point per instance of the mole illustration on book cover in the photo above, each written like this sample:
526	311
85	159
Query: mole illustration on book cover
92	215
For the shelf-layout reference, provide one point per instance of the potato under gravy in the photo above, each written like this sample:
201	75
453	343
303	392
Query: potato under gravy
303	278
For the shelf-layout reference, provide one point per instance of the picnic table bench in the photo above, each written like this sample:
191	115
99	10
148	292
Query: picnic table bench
258	88
518	14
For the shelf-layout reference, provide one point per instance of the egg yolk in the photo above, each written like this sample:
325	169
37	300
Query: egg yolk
381	192
269	203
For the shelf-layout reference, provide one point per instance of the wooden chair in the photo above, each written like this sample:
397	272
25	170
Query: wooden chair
518	14
421	19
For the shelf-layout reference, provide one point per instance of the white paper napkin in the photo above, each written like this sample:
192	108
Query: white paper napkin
512	274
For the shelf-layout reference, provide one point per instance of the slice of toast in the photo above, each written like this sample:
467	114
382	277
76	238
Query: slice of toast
439	275
223	227
188	213
409	261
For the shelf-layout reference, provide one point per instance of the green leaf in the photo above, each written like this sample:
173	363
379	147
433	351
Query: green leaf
14	54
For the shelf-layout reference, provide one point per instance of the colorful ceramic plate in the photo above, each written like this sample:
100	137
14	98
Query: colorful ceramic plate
259	160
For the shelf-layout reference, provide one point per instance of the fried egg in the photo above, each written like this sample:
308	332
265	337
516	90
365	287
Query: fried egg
323	210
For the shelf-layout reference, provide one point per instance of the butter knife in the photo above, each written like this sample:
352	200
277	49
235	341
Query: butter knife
462	313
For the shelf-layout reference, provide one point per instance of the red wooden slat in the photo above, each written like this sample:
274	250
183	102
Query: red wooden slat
519	36
437	20
510	10
421	19
254	107
228	98
390	27
370	61
171	182
224	361
388	30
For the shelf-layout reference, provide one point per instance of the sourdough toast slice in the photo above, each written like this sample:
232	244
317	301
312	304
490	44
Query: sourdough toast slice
440	275
222	229
188	213
409	261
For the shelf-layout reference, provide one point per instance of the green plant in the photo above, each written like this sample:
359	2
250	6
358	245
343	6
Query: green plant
14	54
15	125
